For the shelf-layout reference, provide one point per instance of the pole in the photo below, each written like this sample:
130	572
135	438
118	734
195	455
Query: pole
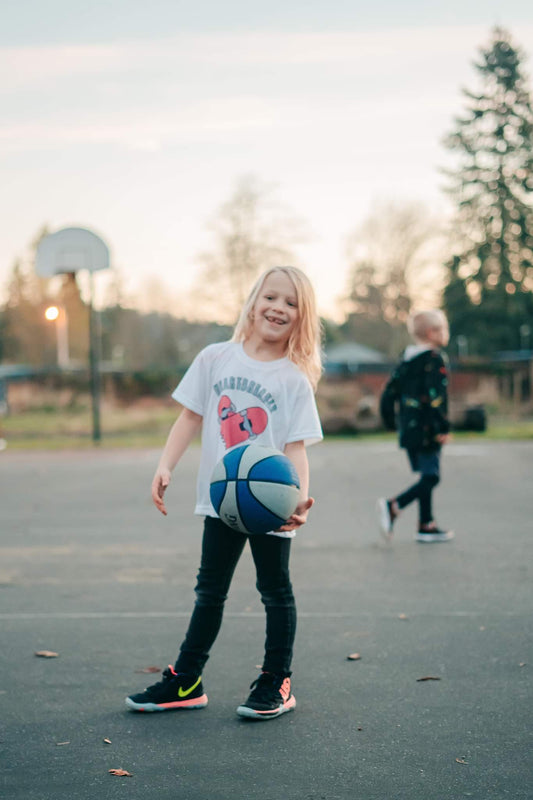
94	363
462	346
525	330
62	339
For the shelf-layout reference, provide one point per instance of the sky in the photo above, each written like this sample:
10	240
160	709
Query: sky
136	120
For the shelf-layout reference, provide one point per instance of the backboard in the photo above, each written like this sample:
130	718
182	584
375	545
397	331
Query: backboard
70	250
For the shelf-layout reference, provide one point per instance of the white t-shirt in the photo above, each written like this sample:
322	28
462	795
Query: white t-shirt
244	400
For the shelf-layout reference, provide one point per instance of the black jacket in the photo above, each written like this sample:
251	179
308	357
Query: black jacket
415	401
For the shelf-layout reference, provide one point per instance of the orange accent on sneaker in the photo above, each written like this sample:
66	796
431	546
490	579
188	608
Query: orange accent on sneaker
191	703
274	712
285	689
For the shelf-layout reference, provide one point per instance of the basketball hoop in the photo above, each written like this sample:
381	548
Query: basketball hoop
72	250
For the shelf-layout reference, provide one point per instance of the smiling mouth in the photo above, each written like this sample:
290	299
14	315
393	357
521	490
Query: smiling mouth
275	320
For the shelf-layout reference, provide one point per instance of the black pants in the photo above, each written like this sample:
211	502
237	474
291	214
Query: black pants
221	550
427	462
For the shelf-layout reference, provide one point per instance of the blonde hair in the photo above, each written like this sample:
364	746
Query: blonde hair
303	347
421	322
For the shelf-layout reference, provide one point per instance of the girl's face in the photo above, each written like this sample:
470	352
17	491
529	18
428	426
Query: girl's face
275	312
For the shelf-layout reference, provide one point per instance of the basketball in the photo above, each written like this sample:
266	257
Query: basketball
254	489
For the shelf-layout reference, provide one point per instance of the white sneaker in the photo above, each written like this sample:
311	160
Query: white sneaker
386	517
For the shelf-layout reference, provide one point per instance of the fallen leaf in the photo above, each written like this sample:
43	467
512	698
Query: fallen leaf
353	657
461	761
522	664
403	616
148	669
107	741
121	773
47	654
482	628
60	744
428	678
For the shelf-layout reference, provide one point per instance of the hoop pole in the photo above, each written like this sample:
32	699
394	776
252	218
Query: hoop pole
94	363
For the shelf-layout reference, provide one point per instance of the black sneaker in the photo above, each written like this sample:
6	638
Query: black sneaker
270	697
176	690
432	533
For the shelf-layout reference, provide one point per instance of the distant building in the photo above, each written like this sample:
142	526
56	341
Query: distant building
518	383
348	358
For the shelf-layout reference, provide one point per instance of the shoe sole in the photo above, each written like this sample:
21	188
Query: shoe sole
197	702
385	526
434	537
252	713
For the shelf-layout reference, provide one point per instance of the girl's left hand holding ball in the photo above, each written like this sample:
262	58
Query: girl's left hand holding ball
299	517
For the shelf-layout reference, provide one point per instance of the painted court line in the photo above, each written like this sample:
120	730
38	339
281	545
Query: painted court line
78	615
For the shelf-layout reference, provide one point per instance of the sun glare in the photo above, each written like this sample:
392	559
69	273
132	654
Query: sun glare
51	313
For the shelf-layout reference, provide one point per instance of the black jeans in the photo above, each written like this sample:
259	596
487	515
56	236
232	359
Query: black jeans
221	549
427	462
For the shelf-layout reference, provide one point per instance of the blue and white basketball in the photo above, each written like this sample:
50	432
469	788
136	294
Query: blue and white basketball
254	489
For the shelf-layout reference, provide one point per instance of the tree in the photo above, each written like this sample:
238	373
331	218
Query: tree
490	276
251	233
393	265
27	337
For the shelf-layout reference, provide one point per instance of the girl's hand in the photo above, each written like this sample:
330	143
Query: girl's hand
299	517
443	438
159	486
181	434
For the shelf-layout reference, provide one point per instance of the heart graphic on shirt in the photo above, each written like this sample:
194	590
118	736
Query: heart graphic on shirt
240	426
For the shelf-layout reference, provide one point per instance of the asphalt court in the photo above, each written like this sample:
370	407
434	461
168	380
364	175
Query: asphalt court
88	569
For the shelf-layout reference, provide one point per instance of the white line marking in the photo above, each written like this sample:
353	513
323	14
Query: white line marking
76	615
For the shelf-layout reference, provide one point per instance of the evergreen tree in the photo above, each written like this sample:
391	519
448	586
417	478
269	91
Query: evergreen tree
490	278
27	337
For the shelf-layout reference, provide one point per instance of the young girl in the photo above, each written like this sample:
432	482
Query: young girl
257	387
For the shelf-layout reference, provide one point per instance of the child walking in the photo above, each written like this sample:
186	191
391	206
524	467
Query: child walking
418	390
257	387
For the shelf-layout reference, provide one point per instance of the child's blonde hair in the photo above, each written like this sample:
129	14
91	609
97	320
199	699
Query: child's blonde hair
303	347
421	322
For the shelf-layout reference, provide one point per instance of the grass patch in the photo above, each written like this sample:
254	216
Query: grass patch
148	426
42	430
506	429
499	429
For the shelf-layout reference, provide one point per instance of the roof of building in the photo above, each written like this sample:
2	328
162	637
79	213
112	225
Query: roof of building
514	355
351	353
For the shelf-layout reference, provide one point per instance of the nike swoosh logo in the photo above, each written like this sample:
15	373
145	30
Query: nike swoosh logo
182	693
